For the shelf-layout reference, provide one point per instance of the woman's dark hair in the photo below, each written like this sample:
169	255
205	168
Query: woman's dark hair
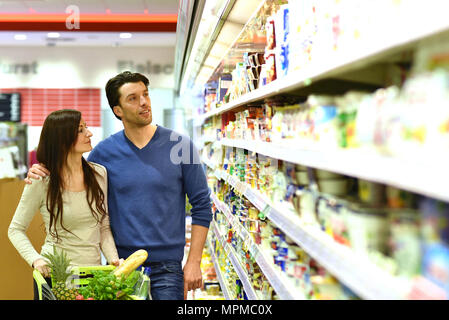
114	84
58	136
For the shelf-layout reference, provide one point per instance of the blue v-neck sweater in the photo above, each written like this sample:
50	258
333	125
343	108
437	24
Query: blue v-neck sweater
147	191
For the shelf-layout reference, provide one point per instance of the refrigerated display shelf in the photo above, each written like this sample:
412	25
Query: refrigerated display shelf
230	252
208	163
401	36
427	178
362	54
356	271
223	286
280	283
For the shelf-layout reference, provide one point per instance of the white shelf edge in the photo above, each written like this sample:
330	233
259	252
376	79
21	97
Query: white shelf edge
208	163
223	286
249	290
426	179
243	276
357	272
347	62
279	283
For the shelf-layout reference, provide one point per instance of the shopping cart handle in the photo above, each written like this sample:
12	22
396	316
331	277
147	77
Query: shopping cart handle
39	281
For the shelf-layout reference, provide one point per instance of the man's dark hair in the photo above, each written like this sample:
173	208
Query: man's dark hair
114	84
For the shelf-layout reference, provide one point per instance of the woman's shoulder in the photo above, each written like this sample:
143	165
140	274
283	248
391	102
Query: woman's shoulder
98	168
37	186
40	181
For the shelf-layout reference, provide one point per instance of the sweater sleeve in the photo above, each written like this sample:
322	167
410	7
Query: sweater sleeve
29	204
197	190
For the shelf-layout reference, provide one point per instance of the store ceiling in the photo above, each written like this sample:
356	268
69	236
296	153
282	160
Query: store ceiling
91	6
27	23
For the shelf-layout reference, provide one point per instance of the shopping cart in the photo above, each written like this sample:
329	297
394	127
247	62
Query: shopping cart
43	288
80	278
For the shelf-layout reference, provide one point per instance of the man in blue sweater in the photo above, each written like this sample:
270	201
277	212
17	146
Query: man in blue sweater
151	169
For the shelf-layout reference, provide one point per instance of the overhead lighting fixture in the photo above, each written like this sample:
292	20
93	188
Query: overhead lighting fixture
125	35
53	35
20	36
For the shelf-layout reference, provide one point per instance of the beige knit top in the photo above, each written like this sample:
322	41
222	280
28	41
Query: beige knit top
88	237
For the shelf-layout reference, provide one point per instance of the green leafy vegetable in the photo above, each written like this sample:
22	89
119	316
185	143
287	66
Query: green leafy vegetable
105	285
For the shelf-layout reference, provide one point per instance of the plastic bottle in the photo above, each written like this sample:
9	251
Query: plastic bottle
144	291
139	281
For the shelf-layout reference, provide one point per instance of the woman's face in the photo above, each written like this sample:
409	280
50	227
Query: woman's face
83	143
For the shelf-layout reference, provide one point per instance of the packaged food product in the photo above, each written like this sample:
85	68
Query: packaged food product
371	193
405	242
323	174
398	198
307	211
435	220
435	266
271	36
368	228
336	187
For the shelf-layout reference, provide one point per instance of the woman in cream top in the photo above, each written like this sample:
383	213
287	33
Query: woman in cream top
87	237
72	200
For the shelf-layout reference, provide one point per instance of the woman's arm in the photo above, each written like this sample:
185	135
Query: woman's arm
107	243
29	204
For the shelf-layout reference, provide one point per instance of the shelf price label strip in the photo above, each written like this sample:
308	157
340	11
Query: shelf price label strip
242	275
279	283
230	253
357	272
372	284
427	179
223	286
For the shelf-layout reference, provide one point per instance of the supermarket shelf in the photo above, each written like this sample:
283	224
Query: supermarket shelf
208	163
376	50
243	276
354	270
280	283
249	290
223	286
427	179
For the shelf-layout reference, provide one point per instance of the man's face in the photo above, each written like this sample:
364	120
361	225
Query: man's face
134	104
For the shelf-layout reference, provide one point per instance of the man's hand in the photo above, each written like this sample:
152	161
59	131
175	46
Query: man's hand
36	171
193	278
192	270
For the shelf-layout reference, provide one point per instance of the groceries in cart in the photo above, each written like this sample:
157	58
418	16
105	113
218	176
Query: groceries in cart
95	282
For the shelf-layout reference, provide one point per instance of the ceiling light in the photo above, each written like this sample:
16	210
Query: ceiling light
125	35
20	36
53	35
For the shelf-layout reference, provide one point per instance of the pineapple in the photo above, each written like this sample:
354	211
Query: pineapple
59	273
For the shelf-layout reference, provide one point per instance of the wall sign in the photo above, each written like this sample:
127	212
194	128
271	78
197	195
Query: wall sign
18	68
10	107
144	68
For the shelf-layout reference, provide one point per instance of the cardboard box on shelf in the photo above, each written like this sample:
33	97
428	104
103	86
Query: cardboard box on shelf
16	278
